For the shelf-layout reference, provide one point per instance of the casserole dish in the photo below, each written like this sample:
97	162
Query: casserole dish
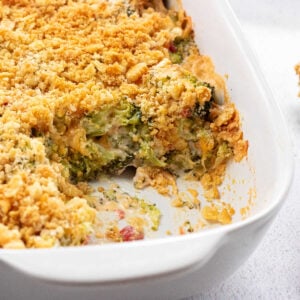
175	267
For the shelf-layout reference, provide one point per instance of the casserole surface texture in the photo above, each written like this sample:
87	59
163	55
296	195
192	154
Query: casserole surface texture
93	87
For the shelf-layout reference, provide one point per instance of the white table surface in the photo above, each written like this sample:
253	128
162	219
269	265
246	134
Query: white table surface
272	28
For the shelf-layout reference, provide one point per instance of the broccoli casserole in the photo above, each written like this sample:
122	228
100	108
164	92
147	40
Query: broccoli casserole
92	87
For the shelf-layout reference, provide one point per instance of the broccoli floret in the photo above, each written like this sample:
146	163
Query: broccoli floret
110	145
136	116
99	123
85	167
199	110
202	111
177	161
119	164
124	116
96	124
61	123
178	49
176	58
196	82
147	154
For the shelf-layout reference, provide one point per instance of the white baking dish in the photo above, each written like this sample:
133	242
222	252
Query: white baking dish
178	266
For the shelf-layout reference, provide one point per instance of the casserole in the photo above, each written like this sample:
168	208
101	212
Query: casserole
123	85
180	266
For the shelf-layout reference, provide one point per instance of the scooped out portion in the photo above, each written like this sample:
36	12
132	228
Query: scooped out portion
93	87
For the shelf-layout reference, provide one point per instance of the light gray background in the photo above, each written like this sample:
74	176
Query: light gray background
272	28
